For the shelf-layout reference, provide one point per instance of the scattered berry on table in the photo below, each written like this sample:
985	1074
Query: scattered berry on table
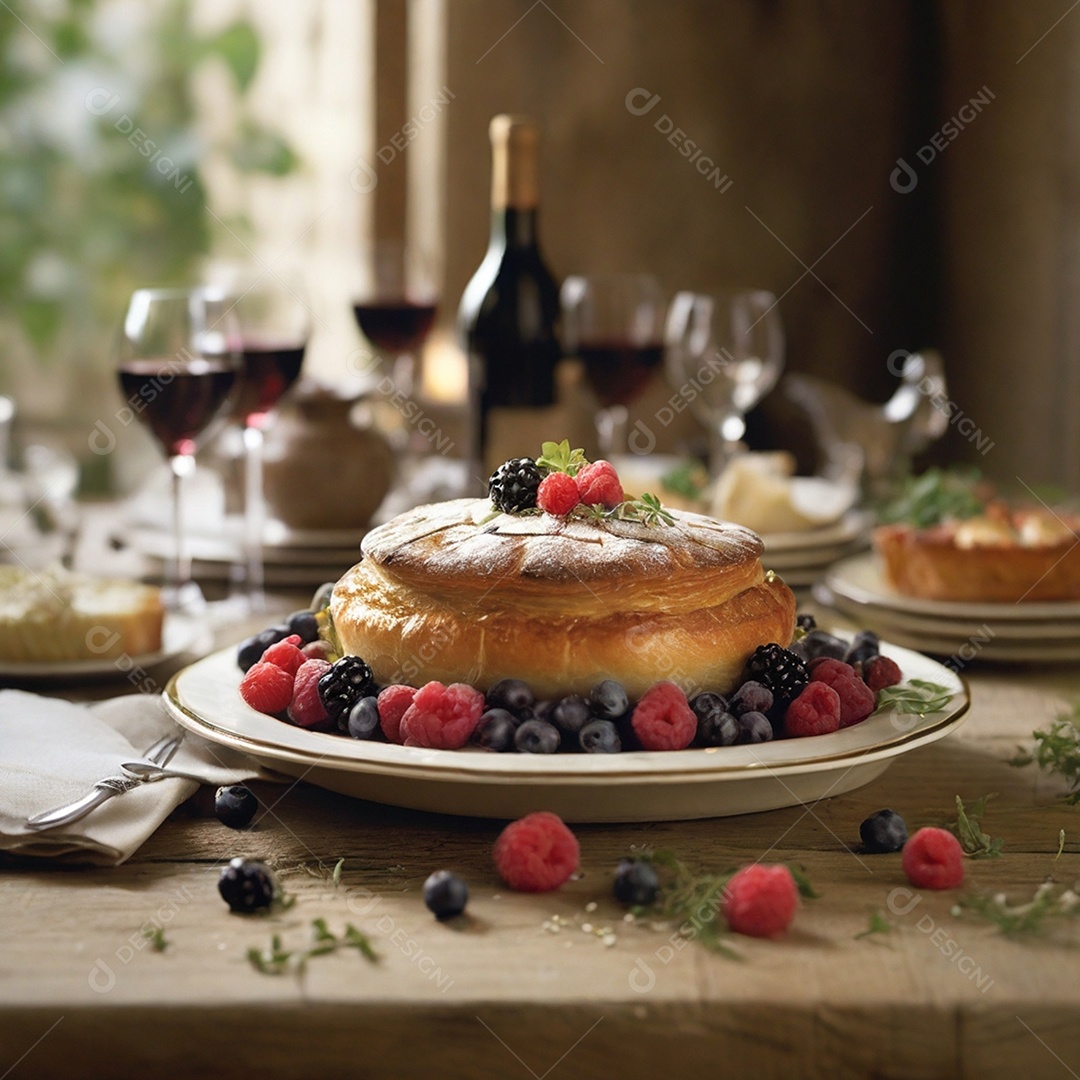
883	832
445	894
881	671
235	805
362	721
857	700
537	737
663	719
442	717
636	883
252	648
347	681
816	711
246	885
571	713
754	727
558	494
394	702
806	621
495	731
513	485
285	654
819	643
864	645
536	853
760	900
321	599
933	859
600	737
598	484
304	624
752	696
778	669
512	695
306	708
608	700
267	688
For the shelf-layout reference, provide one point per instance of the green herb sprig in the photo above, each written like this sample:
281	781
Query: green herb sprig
967	828
277	960
937	495
1028	918
916	696
1057	750
876	924
558	457
689	478
156	937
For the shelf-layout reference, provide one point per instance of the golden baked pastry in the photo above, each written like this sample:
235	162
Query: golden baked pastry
449	592
997	557
54	616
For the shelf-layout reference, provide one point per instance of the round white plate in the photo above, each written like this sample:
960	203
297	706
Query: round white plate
633	786
179	634
226	550
851	526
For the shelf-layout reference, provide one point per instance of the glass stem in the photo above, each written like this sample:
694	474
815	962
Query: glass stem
611	424
179	575
254	517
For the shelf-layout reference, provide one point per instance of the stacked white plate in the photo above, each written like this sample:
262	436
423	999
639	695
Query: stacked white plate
1012	633
802	558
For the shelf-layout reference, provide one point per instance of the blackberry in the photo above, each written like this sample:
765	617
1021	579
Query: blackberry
246	885
513	485
779	670
347	682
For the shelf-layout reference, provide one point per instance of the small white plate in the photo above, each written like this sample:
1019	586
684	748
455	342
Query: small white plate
633	786
850	527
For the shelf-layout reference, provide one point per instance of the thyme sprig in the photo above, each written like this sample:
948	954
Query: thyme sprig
876	924
1057	751
277	960
967	828
1030	917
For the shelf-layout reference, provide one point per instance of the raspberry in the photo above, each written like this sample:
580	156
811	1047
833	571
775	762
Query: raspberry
599	483
442	717
537	853
857	700
933	859
879	672
760	900
663	719
394	701
306	709
816	711
285	654
318	650
267	688
558	494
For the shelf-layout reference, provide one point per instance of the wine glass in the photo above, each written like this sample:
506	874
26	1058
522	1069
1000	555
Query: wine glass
178	361
273	314
614	324
724	352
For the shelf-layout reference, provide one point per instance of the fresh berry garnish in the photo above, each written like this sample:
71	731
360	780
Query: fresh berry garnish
362	721
251	649
496	729
442	717
857	700
598	484
537	737
663	719
864	645
318	650
512	695
600	737
715	725
608	700
235	805
304	624
558	494
752	696
933	859
881	671
321	600
285	654
267	688
754	727
306	708
348	680
820	643
760	900
513	485
445	894
570	714
246	885
394	702
883	832
536	853
816	711
778	669
636	883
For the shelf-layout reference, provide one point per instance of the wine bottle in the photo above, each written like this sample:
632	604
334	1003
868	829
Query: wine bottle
509	314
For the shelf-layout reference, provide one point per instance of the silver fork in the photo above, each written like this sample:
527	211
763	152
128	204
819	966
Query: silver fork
160	754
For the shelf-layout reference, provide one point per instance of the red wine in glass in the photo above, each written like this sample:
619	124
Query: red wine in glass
618	371
177	405
398	326
268	370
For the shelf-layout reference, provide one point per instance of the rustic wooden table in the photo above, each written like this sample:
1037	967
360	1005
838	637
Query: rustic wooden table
83	992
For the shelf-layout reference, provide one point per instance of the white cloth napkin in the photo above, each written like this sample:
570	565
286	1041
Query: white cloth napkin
53	752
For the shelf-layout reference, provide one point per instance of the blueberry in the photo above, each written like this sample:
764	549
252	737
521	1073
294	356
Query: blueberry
718	728
363	719
750	697
537	737
864	645
754	727
445	894
608	700
252	648
235	806
821	643
510	694
635	882
600	737
883	831
305	624
805	621
246	885
570	714
496	730
541	710
707	703
321	599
